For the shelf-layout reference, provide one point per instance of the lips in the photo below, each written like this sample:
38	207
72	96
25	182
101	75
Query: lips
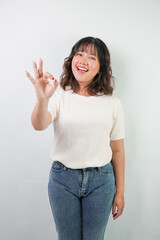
82	69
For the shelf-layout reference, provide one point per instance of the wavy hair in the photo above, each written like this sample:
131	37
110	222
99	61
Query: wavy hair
102	82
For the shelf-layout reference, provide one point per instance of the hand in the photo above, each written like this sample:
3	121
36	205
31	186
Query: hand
118	204
44	90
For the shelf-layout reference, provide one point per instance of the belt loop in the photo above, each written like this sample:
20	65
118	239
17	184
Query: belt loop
98	169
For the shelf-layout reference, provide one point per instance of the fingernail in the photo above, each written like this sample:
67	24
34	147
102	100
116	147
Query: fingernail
112	213
53	78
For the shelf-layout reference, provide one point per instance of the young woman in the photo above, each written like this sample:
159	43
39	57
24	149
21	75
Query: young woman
86	178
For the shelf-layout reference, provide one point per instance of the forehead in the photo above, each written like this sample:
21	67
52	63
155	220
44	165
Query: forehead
90	49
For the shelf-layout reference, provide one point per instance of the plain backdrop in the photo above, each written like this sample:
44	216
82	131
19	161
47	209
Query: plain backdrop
30	30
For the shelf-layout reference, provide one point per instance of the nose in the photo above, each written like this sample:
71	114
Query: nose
84	60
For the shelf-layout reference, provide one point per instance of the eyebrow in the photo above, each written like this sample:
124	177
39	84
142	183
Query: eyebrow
86	52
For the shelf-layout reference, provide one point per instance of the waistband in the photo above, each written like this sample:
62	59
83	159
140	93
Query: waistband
83	169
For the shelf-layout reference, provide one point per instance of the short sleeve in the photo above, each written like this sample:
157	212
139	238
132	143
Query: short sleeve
53	104
118	128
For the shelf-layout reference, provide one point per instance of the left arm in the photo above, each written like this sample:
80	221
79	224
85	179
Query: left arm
118	161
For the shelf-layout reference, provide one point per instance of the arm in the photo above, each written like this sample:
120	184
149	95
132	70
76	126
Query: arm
41	117
118	161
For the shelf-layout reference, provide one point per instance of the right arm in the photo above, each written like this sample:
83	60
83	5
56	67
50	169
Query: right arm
41	117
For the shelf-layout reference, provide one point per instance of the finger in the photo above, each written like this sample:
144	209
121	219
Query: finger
116	216
113	208
30	77
45	79
35	70
40	70
40	80
47	74
119	212
51	77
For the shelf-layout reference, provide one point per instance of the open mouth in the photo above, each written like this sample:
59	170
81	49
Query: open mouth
81	69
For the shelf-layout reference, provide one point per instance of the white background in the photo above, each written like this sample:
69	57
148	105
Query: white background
30	30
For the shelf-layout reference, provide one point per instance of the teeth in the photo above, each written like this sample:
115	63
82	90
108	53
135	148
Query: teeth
82	69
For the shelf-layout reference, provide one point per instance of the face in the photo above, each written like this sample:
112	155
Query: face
85	65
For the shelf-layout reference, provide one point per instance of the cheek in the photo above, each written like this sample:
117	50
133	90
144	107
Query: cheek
97	67
73	62
72	65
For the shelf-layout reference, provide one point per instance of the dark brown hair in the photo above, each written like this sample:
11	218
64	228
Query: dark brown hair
102	82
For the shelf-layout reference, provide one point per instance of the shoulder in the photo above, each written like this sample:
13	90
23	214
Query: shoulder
56	96
113	99
58	92
62	91
116	104
116	100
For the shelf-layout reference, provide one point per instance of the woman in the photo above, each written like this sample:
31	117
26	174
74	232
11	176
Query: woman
86	178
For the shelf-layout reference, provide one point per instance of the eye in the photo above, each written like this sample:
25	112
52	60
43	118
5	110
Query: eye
79	54
92	58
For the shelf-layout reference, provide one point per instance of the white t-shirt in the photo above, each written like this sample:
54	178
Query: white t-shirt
84	127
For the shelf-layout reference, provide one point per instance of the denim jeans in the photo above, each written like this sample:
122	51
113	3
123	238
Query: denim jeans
81	200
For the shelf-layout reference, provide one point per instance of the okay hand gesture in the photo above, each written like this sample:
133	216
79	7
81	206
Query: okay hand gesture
44	90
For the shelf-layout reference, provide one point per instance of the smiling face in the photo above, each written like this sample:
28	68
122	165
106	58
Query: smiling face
85	65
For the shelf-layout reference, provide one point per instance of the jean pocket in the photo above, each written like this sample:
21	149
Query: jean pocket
57	166
108	168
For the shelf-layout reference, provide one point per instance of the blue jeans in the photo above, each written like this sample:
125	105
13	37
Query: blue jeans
81	200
